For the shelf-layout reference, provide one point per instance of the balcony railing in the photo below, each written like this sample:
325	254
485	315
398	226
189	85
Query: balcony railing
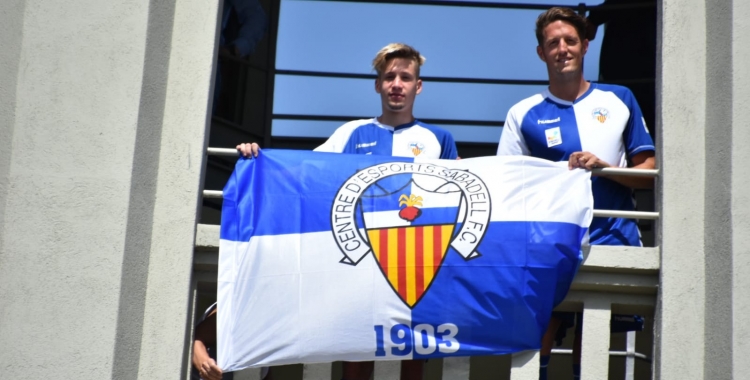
612	279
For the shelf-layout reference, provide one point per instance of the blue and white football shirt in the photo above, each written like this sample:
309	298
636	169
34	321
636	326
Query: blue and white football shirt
369	136
605	121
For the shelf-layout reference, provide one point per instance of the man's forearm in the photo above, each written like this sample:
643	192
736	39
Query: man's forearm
200	353
632	182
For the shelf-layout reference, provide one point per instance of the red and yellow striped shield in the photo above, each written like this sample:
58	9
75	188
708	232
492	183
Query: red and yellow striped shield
601	118
410	257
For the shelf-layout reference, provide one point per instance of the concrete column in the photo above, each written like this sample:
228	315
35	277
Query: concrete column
681	156
705	88
100	169
387	370
597	312
321	371
187	63
525	365
717	247
11	36
456	368
740	211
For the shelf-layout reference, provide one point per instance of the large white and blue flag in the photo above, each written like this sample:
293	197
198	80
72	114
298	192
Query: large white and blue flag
327	256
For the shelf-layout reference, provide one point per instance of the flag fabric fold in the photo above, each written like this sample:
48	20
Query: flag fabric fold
327	256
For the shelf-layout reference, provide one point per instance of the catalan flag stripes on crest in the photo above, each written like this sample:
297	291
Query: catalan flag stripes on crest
410	257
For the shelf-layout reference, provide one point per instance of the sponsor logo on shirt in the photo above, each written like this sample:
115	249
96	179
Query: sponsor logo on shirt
549	121
553	137
366	145
416	147
600	114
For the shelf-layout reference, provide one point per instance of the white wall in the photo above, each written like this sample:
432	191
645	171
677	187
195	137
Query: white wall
705	206
101	145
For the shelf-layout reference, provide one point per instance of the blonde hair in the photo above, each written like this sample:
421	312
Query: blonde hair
396	50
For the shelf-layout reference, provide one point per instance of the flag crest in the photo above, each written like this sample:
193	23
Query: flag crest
410	257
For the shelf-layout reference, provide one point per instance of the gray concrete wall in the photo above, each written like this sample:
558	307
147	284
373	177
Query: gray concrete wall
102	138
704	84
681	89
11	36
181	160
718	232
740	187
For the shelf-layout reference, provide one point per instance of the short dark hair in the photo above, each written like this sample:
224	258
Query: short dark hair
560	14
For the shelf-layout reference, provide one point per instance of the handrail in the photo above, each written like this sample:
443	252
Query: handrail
213	194
222	152
628	172
614	171
637	355
648	215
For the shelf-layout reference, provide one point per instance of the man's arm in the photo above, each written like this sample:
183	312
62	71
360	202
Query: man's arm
511	140
642	160
637	143
448	150
205	335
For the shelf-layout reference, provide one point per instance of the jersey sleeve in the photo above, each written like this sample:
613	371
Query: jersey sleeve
636	136
511	139
448	148
338	140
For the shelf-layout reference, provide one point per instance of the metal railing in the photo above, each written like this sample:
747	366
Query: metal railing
647	215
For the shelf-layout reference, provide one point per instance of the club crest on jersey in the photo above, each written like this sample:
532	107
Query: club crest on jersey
600	114
410	216
416	148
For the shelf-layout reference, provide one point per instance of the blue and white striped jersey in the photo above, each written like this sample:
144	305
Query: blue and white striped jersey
369	136
605	121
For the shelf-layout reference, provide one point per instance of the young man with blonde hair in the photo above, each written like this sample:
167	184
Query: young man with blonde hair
394	133
589	125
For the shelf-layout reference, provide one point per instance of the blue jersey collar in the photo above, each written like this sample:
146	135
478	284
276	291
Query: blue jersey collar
396	128
557	100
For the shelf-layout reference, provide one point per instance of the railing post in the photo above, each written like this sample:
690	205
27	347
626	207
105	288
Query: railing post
456	368
597	312
525	366
316	371
630	358
387	370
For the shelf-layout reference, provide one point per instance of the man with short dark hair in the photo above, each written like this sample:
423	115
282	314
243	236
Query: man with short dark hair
589	125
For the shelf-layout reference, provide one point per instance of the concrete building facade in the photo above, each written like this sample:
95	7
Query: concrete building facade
104	111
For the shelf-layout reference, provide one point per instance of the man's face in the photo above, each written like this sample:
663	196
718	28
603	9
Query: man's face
562	50
398	85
